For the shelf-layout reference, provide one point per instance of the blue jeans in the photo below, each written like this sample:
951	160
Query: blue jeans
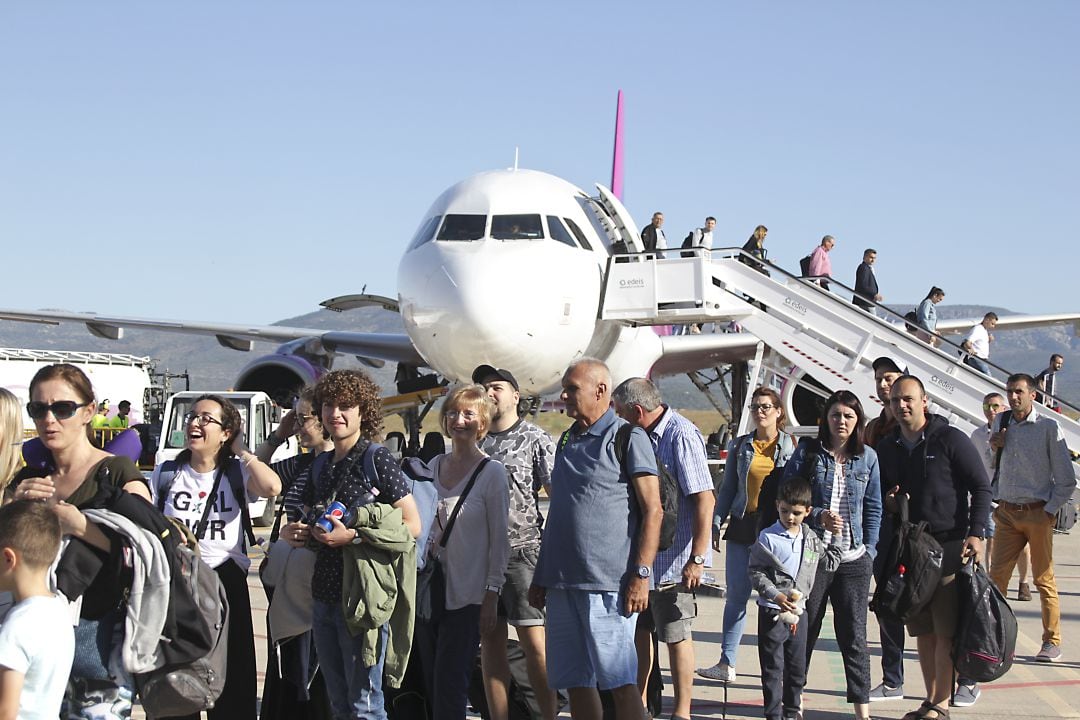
737	573
977	363
355	691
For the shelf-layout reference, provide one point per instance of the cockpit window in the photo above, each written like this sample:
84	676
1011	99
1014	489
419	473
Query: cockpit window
516	227
462	228
578	234
425	232
558	231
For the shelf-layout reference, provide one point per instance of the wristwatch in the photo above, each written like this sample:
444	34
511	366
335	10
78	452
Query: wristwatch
644	571
697	559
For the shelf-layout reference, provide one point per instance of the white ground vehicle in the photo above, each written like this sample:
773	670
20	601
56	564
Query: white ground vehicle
115	377
260	415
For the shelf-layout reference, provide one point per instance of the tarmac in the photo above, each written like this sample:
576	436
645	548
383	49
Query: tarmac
1029	690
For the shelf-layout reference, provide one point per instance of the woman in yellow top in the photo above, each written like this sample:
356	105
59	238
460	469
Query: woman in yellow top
750	459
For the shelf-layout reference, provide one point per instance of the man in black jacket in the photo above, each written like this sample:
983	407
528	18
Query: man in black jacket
652	237
866	287
938	468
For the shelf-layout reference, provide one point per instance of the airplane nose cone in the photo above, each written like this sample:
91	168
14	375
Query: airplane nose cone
505	304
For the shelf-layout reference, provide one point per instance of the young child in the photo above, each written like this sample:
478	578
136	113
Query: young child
37	638
783	564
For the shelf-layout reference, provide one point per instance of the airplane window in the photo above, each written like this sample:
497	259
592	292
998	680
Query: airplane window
516	227
462	228
425	232
558	231
578	234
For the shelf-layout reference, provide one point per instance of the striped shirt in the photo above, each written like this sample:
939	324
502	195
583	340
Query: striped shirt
840	502
680	447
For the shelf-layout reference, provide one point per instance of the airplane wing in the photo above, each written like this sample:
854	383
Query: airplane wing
686	353
382	346
1012	322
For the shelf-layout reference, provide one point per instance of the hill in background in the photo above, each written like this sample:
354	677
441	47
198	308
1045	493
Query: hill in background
213	367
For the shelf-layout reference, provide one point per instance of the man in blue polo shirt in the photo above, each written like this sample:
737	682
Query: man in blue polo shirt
595	565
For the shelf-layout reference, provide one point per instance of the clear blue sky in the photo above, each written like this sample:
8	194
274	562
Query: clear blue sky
242	161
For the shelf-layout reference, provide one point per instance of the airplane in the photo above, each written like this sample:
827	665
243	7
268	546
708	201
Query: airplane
503	223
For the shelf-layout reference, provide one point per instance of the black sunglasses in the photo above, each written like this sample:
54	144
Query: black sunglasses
61	409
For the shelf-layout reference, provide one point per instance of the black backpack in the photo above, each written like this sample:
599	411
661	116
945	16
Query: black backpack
985	642
669	487
688	242
804	266
911	571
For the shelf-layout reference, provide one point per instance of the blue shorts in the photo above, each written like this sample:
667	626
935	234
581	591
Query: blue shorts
589	643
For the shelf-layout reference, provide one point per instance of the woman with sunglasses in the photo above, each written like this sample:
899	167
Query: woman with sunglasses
61	406
286	695
751	458
208	487
474	555
846	512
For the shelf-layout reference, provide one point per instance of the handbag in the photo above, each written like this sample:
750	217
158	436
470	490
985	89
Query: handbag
743	530
431	581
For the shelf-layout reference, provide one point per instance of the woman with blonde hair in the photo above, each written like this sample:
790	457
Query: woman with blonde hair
11	437
751	458
468	542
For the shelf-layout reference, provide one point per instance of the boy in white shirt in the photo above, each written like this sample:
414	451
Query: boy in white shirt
37	638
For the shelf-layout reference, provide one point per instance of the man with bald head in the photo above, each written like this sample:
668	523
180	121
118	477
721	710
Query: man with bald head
595	565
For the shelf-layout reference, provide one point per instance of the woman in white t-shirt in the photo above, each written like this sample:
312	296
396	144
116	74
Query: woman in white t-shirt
211	481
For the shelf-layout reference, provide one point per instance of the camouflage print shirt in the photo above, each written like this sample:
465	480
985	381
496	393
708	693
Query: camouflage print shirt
528	454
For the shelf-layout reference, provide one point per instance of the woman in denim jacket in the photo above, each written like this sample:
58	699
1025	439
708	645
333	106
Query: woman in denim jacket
846	500
751	458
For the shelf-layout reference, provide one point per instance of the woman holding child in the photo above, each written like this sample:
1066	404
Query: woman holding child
752	457
846	513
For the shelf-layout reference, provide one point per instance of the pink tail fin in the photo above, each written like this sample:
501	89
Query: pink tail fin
617	157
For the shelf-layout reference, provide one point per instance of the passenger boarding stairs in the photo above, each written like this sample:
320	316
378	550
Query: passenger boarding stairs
821	333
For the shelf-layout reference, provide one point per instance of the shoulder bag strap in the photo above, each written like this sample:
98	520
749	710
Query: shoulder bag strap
166	474
1003	422
235	473
200	528
460	502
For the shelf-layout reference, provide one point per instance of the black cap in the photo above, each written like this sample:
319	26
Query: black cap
486	372
887	364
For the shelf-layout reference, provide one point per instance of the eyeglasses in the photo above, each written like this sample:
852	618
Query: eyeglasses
992	406
61	409
766	407
202	419
466	414
302	420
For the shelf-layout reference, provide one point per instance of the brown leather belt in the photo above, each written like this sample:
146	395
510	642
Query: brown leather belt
1021	507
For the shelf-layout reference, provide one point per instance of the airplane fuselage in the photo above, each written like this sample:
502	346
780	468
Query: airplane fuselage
507	269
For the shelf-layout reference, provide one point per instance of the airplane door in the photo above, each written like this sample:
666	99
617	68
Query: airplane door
624	224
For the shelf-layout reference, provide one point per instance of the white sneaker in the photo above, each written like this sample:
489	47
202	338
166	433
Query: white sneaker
720	671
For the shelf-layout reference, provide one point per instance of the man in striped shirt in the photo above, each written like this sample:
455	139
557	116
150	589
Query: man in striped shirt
678	570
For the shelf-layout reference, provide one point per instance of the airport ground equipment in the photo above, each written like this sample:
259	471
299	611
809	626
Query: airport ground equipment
805	331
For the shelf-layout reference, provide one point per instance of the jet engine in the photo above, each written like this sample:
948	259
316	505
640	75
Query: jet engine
282	374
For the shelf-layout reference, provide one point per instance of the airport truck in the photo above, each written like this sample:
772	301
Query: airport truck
115	377
260	415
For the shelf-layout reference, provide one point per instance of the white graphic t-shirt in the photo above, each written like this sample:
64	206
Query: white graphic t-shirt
186	500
